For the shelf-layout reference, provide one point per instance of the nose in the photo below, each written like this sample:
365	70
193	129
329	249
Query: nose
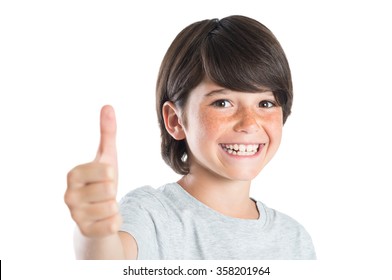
246	121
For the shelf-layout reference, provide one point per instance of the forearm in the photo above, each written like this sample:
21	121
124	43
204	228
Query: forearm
106	248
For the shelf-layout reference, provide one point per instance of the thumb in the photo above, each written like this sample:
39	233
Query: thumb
107	151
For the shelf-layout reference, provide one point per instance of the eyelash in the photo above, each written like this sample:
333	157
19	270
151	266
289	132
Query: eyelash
219	102
263	104
270	104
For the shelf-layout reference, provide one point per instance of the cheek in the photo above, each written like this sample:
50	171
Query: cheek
273	127
212	125
210	122
202	127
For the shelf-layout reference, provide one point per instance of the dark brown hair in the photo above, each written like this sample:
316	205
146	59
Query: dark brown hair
236	52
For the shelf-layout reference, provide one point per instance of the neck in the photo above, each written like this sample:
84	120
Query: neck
228	197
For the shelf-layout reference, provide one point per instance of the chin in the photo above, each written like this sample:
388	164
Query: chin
243	176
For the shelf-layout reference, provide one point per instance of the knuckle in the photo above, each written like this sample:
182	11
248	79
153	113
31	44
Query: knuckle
112	228
112	207
112	225
77	216
109	190
69	198
108	172
73	175
86	231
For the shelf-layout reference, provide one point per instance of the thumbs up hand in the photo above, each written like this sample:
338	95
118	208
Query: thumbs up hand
107	152
92	187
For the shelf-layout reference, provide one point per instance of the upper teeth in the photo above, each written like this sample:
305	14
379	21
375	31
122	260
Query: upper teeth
241	147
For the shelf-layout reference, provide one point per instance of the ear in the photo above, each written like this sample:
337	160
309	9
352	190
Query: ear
172	119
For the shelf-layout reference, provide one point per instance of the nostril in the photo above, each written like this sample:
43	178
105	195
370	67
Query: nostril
247	125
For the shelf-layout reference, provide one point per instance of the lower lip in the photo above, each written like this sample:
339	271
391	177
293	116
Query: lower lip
261	146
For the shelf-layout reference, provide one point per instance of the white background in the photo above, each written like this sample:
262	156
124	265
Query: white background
60	61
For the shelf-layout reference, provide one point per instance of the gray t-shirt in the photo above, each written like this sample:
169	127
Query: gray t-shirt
169	223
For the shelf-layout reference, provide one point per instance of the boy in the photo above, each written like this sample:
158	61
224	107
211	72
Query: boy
224	92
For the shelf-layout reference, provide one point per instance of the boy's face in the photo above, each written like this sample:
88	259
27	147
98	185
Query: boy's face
231	134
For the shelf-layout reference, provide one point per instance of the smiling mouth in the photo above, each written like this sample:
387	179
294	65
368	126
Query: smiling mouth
241	149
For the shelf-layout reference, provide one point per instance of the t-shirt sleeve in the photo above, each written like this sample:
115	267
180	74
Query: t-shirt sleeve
308	251
140	209
293	237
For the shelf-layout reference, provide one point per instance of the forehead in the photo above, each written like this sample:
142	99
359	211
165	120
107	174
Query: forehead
209	88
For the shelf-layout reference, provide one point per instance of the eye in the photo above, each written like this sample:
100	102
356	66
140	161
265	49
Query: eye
266	104
221	103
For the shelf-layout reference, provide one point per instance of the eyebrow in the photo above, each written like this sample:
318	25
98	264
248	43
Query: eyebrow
224	91
217	91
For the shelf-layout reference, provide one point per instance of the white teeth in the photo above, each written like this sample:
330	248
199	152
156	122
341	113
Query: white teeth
241	149
245	153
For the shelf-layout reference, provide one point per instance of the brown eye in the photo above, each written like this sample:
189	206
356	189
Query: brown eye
266	104
222	103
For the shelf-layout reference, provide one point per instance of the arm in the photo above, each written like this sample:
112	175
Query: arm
91	197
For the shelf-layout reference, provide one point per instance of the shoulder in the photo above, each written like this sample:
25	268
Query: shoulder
280	219
139	193
289	231
145	195
148	197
